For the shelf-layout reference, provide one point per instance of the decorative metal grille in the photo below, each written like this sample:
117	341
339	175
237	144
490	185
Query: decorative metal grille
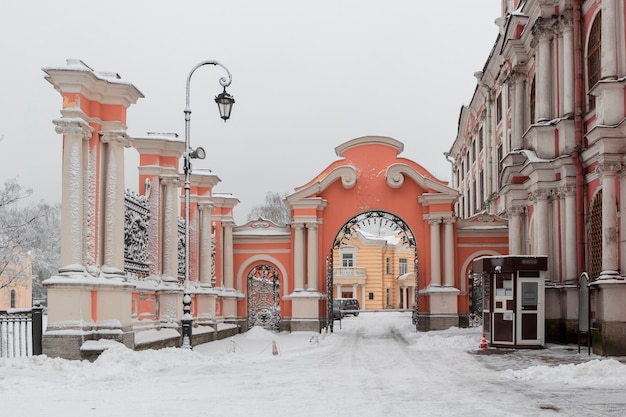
264	297
181	250
362	220
594	237
136	215
476	300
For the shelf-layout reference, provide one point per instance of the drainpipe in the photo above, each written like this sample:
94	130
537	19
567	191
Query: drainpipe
578	135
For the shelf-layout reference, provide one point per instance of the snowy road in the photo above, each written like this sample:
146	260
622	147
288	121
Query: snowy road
375	365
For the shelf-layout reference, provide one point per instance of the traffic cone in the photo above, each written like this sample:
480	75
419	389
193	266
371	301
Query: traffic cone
274	348
483	343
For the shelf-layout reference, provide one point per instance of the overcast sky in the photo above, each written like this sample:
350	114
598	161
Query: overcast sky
307	77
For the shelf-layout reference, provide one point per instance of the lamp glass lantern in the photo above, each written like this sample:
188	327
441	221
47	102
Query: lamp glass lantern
225	104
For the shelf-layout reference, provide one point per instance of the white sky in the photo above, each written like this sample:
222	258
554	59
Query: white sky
307	76
375	365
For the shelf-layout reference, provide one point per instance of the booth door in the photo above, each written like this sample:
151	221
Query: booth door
503	323
530	318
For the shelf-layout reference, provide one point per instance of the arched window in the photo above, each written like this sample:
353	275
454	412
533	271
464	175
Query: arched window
13	299
593	57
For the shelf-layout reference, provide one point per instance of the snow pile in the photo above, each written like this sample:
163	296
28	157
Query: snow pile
597	373
453	338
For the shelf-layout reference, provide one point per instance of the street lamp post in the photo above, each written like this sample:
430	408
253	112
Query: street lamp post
224	103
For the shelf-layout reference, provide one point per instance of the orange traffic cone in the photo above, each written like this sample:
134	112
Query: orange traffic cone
274	348
483	343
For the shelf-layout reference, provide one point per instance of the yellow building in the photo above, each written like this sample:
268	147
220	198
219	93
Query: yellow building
376	269
16	283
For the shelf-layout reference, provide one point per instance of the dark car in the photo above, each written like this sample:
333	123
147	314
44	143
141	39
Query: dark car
348	306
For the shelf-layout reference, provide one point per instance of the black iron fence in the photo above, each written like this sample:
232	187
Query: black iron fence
20	332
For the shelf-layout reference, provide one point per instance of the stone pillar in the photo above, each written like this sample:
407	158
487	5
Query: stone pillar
205	259
312	256
169	255
515	230
228	255
622	210
541	239
569	239
113	240
543	33
517	122
448	243
609	40
74	131
298	272
567	28
435	253
610	256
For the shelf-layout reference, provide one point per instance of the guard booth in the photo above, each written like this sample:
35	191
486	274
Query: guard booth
513	300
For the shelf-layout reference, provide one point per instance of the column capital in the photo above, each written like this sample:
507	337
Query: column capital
433	221
311	226
170	180
542	30
515	210
449	220
566	21
206	205
566	191
609	168
115	136
73	126
539	195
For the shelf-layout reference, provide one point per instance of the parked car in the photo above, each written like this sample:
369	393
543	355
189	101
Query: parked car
348	306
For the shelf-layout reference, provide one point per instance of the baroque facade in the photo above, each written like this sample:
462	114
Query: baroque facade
543	144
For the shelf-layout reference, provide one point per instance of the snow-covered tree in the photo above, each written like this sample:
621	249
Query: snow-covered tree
29	237
273	209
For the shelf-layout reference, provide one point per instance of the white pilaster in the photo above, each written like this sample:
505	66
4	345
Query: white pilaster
228	255
515	230
312	256
435	253
448	243
75	131
116	141
298	272
205	259
609	40
610	256
169	225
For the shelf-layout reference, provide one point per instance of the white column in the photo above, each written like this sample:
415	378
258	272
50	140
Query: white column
169	225
515	230
435	253
569	240
113	197
205	259
609	40
541	223
543	33
298	257
228	255
568	63
610	256
312	256
622	231
74	133
448	243
517	122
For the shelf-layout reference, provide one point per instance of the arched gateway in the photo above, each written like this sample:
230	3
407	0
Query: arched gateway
371	178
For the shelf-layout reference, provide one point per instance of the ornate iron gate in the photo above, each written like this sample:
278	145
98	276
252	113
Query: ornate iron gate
359	221
476	300
264	297
136	216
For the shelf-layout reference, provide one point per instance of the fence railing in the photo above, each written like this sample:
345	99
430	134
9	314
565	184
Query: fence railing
20	332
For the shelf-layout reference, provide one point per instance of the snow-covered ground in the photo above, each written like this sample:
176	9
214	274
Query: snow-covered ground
374	365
